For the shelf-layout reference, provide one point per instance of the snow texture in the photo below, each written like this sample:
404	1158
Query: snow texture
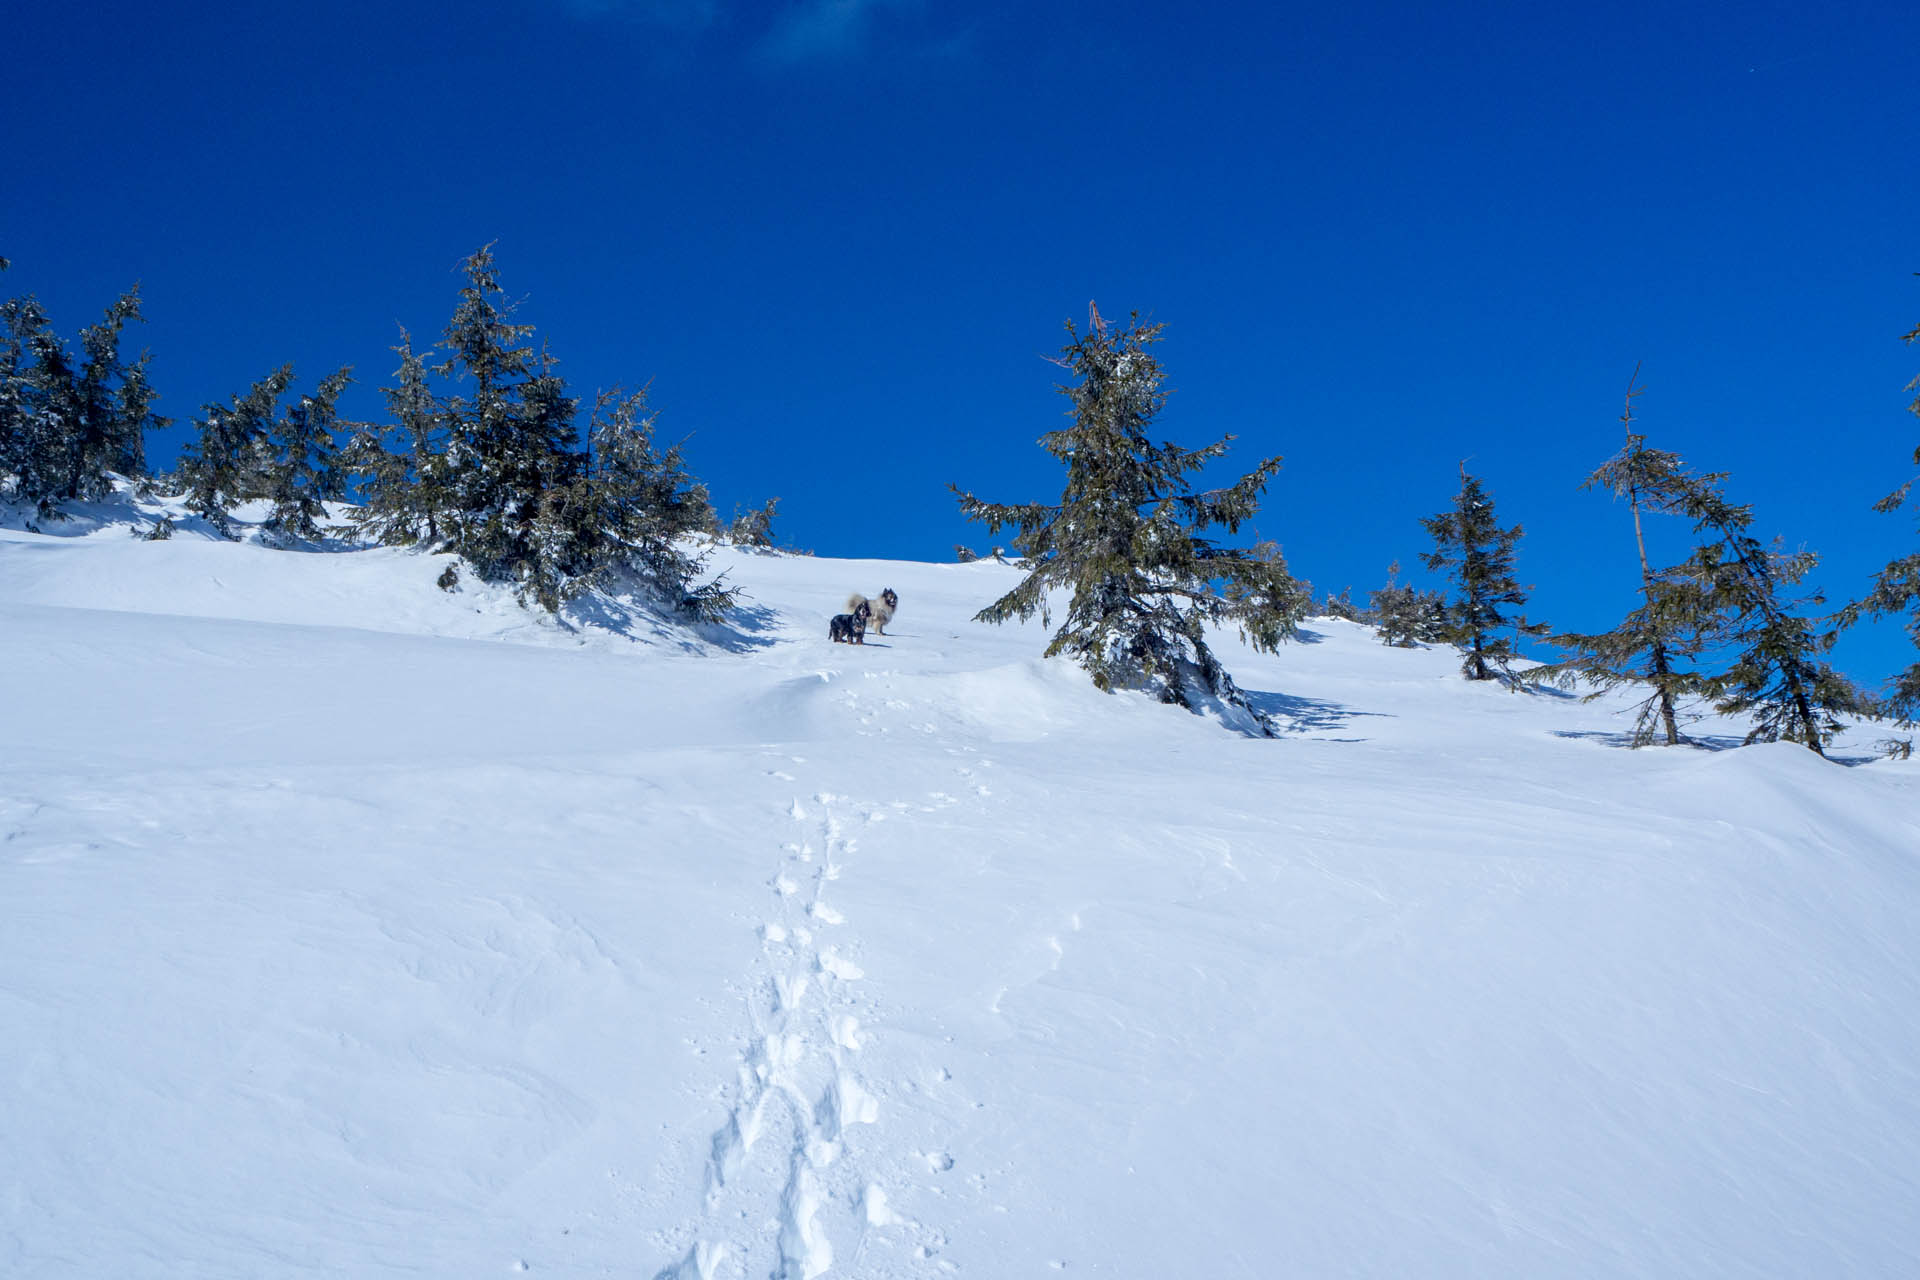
356	927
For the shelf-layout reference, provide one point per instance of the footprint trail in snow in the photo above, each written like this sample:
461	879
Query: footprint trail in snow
786	1192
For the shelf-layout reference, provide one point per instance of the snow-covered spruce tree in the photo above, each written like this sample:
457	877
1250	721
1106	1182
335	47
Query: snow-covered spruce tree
404	492
65	427
1341	606
112	406
753	528
645	503
1896	589
1656	645
1469	542
22	326
510	441
1777	673
1403	616
1126	538
307	461
224	465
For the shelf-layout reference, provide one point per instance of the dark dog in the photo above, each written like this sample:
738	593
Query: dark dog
881	610
850	628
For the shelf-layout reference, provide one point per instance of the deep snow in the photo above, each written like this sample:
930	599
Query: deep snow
357	928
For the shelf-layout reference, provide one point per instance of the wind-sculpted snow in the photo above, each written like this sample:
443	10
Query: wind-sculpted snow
354	927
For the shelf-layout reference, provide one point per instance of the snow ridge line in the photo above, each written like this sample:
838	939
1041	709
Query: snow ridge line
798	1065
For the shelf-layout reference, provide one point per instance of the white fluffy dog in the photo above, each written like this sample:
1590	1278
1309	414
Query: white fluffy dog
880	611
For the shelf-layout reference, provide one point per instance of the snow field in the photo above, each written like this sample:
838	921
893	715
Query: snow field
361	928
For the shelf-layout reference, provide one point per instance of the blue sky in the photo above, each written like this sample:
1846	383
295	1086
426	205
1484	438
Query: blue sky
839	236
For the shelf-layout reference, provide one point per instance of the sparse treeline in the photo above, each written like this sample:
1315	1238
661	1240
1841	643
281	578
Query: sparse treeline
483	457
1724	627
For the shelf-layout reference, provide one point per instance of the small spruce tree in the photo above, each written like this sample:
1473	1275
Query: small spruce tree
1469	542
307	468
1404	616
1655	645
753	528
1777	672
645	505
1127	539
223	466
404	491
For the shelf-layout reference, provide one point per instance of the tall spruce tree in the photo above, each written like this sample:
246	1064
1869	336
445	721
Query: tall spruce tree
1896	588
1128	537
510	454
1470	544
306	461
227	464
1677	619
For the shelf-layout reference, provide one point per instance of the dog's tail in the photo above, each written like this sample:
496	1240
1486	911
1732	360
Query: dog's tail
855	600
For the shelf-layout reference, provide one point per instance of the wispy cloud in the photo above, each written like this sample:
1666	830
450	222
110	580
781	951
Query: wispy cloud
813	30
685	15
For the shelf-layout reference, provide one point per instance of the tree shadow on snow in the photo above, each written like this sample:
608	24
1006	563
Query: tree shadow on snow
1303	715
1715	742
747	628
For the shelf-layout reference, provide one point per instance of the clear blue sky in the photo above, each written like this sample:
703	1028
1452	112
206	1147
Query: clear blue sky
839	235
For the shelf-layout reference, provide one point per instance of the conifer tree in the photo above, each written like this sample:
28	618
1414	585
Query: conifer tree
753	528
1777	672
1677	618
22	325
1469	542
1896	588
110	406
53	413
1406	617
1341	606
65	426
645	503
405	494
510	457
223	467
306	461
1128	537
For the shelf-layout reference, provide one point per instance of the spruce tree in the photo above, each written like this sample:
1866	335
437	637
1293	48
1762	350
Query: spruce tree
1127	539
64	427
225	465
1469	542
405	493
1404	616
306	461
1677	618
51	394
1777	672
110	405
1896	588
22	326
645	503
510	458
753	528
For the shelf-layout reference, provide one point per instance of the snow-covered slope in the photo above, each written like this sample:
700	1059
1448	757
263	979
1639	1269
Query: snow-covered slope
357	928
